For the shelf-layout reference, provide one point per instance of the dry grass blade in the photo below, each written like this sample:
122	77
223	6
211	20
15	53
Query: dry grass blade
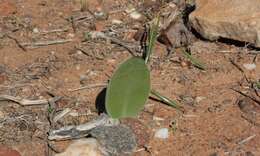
46	43
194	61
61	114
24	102
151	39
89	87
166	100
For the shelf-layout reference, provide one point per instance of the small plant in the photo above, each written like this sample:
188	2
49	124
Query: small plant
130	86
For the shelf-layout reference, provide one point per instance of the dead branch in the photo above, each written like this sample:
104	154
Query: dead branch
17	42
88	87
46	43
127	46
24	102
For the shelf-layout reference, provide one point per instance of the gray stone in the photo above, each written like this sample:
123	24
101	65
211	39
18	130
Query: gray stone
117	140
232	19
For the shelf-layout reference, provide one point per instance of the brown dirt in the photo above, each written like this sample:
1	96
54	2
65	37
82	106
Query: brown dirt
212	124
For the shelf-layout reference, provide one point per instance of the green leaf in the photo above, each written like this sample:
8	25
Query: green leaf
128	89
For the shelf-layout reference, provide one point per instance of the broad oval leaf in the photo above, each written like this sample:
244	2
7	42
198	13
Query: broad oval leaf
128	89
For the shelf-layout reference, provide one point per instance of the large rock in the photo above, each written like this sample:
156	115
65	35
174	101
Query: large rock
232	19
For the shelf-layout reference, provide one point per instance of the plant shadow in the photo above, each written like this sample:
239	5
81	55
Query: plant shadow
100	101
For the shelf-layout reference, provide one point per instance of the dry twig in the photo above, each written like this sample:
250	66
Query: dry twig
17	42
46	43
61	114
247	139
24	102
101	35
88	87
54	31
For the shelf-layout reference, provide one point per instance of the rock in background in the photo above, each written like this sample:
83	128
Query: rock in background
231	19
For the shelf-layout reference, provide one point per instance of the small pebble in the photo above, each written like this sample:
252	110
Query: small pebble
36	30
82	77
158	118
71	35
162	133
52	52
78	67
115	21
2	115
199	98
79	52
135	15
249	66
100	13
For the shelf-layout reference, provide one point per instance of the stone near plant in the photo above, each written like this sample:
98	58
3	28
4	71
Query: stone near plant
232	19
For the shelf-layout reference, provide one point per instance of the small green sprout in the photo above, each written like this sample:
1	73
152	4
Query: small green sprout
153	33
129	87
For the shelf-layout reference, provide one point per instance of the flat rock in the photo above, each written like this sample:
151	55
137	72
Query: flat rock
232	19
116	140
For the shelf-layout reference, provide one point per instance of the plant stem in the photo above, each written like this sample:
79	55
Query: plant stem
152	39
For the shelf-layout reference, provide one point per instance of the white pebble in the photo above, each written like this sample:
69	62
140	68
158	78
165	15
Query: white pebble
162	133
36	30
199	98
115	21
158	118
135	15
79	52
249	66
2	115
52	52
78	67
71	35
